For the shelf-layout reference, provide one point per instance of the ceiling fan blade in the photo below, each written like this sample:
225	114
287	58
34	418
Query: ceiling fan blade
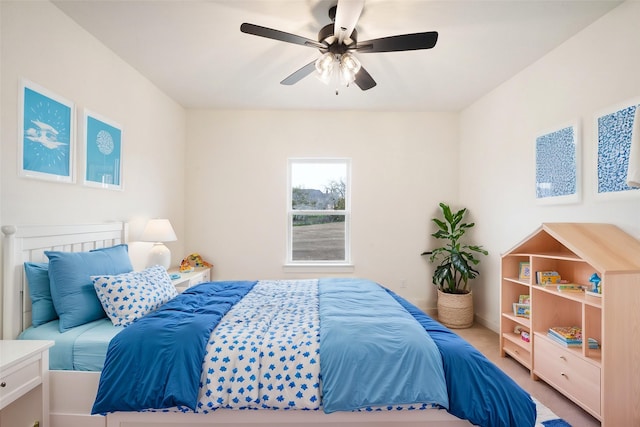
300	74
270	33
364	79
397	43
347	15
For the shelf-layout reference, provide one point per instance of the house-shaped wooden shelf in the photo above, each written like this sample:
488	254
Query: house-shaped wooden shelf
604	377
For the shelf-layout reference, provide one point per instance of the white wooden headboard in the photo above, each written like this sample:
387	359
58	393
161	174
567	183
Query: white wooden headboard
28	243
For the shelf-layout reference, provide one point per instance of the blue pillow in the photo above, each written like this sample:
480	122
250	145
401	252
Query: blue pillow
72	292
42	310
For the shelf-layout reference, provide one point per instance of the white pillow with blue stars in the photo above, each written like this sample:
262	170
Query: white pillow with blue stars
129	296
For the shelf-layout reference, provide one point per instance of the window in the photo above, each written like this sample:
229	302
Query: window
318	211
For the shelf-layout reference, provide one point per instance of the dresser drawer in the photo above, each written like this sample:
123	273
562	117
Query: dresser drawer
202	277
568	372
19	381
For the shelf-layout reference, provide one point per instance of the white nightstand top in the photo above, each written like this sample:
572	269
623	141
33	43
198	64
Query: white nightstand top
186	274
13	352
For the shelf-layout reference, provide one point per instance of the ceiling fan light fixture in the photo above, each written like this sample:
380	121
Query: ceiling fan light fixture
324	66
349	67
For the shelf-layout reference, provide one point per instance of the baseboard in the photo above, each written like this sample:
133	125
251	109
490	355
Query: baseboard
433	313
487	324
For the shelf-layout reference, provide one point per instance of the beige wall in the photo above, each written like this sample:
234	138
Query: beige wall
225	193
403	164
597	68
41	44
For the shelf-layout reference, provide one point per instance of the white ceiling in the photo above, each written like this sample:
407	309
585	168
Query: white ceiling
194	50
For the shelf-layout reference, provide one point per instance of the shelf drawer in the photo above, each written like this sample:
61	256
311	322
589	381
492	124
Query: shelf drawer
517	352
16	383
568	372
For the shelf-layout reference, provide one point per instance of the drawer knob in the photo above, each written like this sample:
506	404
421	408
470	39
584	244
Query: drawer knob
564	375
3	384
563	358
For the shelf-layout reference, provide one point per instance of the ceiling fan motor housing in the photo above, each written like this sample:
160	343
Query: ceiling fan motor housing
326	35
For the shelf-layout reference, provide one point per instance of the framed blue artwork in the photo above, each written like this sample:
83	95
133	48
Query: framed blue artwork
614	129
46	134
103	152
558	166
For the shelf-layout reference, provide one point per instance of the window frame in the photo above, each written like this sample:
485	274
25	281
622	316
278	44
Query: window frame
339	265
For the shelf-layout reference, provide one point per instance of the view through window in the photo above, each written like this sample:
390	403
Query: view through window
319	210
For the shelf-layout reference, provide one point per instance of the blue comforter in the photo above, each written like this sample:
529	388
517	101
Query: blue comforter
475	388
156	361
368	360
478	390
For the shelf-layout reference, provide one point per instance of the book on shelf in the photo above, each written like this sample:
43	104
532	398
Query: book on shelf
525	271
524	299
569	287
592	343
564	343
593	294
547	277
571	336
567	332
522	310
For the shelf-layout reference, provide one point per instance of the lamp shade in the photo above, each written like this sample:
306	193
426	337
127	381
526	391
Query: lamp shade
159	230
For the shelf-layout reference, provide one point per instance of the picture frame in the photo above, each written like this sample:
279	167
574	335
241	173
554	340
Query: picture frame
46	134
614	127
557	157
524	272
103	152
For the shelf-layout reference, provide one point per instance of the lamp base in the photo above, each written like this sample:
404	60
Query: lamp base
159	255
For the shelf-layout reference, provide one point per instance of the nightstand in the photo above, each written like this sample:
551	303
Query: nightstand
192	278
24	382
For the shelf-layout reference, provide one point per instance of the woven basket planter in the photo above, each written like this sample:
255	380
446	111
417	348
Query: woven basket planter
455	310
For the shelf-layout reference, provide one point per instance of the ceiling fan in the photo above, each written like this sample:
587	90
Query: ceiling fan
338	41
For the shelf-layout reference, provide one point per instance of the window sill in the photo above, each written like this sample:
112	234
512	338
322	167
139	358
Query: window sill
318	268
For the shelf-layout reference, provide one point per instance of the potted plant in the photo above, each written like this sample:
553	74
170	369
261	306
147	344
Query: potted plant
455	267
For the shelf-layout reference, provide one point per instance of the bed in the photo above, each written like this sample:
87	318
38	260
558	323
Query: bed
495	399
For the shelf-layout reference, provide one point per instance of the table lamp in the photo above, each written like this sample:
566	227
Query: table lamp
159	231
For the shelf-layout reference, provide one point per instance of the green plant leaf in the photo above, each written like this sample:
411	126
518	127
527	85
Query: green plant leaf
455	260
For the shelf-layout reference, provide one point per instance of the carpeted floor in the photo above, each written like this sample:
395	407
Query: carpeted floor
487	342
547	418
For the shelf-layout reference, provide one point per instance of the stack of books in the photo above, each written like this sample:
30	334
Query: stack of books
570	336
